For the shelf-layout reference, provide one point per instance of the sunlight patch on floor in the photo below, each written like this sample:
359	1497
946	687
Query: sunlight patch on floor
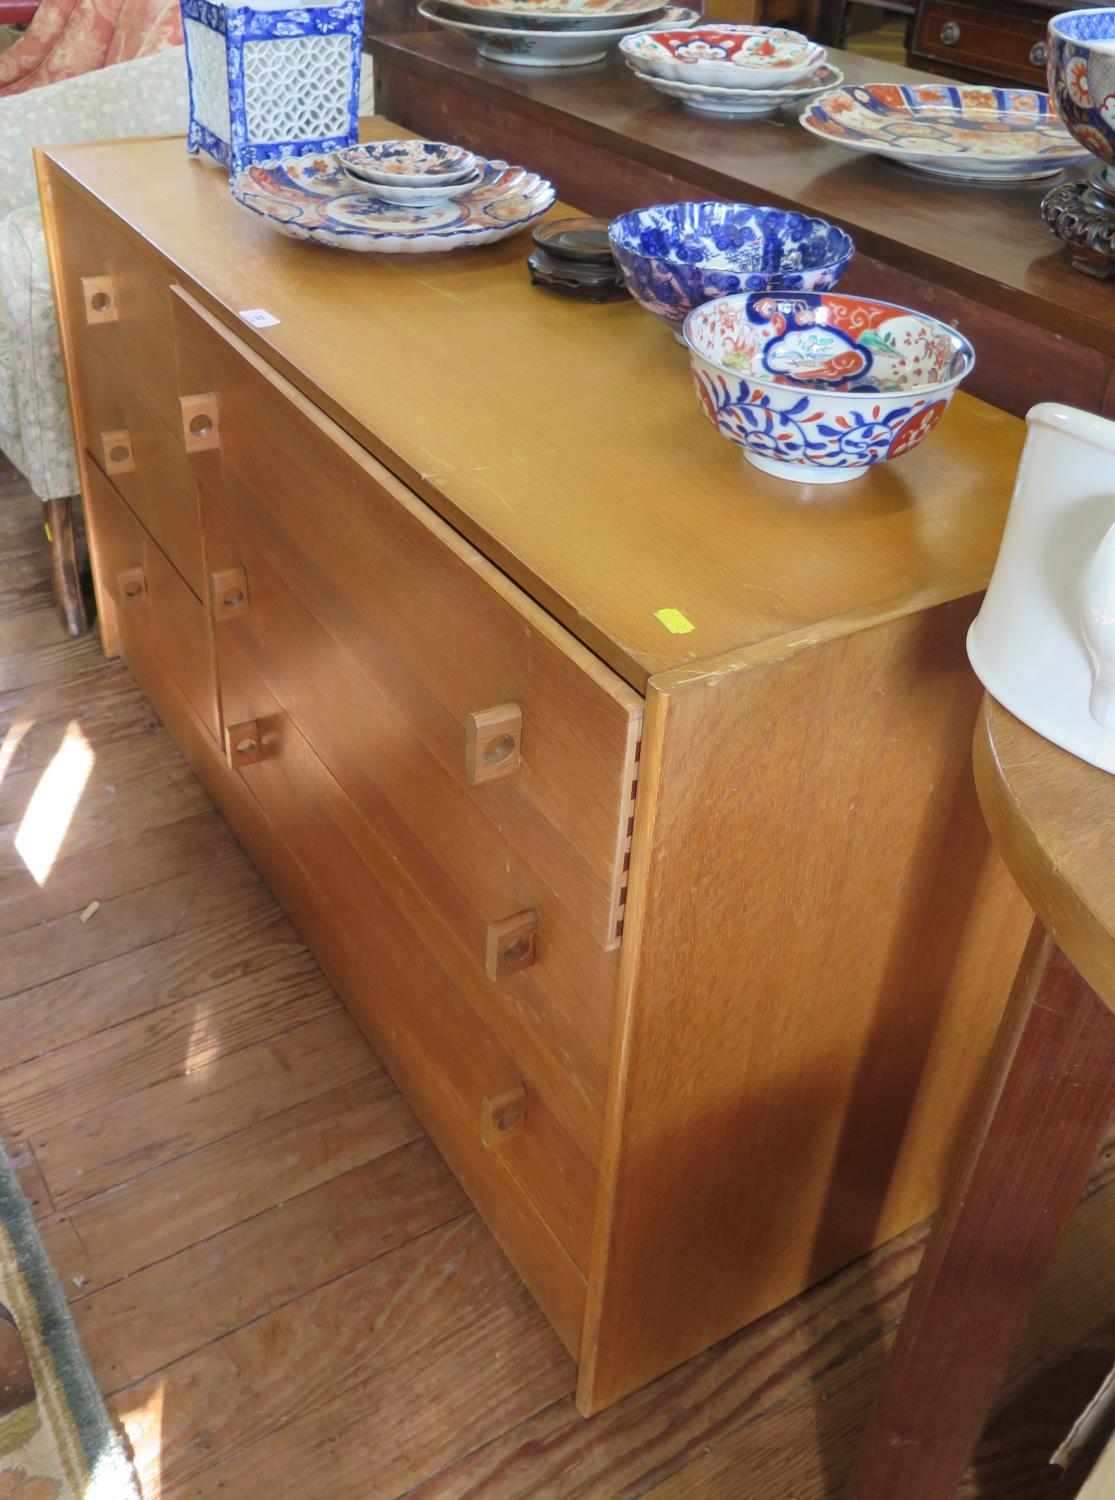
53	803
140	1413
10	744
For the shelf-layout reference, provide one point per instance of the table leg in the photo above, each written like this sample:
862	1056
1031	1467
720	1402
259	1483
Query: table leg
69	594
1052	1093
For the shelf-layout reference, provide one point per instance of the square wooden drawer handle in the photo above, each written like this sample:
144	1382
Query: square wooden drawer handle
243	744
230	593
99	294
512	944
131	587
201	426
493	743
116	451
502	1114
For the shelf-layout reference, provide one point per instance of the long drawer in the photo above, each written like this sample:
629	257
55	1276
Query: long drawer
437	631
145	461
150	601
419	1006
117	295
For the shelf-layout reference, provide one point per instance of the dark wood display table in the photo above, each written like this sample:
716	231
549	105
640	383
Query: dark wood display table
978	255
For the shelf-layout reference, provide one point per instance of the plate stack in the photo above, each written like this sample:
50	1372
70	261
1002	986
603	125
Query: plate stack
550	33
736	72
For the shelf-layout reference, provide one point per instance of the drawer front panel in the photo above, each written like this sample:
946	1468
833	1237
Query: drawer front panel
145	460
1004	46
117	296
559	1010
442	633
420	1006
149	600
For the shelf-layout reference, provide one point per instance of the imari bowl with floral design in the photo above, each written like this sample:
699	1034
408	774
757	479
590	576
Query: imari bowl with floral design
1082	78
742	57
817	387
674	256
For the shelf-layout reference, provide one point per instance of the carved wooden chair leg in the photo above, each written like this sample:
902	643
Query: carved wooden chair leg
17	1385
1052	1095
69	591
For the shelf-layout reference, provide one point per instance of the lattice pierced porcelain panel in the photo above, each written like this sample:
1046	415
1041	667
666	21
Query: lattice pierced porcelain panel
268	82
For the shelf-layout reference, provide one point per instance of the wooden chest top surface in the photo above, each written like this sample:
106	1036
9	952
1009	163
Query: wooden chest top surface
565	440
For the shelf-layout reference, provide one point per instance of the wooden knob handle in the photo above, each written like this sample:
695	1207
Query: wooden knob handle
116	452
502	1114
131	587
243	744
512	944
201	426
99	296
493	743
230	593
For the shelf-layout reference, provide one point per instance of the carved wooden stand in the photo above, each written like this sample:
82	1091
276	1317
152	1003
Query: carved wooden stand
1082	213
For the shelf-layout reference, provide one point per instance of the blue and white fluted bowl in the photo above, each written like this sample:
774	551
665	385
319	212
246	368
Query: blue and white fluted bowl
676	256
819	386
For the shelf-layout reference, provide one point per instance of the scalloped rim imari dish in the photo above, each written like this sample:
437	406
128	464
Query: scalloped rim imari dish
740	103
819	386
557	15
965	131
310	198
725	56
543	49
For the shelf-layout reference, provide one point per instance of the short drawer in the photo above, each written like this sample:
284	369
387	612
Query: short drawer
144	460
1006	46
117	294
441	633
559	1008
149	600
418	1003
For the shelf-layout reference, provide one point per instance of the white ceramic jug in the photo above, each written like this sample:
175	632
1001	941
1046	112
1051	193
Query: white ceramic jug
1043	642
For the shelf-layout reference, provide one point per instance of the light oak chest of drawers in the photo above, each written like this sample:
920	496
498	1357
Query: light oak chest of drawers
622	792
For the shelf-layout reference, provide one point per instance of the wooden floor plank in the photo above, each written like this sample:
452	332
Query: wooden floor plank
102	1148
122	924
337	1337
157	1214
107	1068
128	863
252	936
157	1316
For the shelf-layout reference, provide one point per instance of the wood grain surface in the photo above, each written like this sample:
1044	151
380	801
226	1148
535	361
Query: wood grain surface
514	415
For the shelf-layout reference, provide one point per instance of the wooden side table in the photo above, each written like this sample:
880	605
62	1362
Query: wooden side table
1050	1096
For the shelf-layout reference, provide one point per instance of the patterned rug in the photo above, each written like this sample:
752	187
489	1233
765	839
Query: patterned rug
56	1439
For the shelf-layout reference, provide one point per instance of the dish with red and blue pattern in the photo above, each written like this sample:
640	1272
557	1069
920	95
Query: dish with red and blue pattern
819	386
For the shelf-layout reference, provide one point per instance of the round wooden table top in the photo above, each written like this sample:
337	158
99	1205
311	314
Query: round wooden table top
1052	818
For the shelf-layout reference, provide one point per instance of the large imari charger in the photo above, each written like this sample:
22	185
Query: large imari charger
271	80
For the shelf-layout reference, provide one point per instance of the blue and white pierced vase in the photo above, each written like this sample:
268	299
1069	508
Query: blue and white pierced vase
270	81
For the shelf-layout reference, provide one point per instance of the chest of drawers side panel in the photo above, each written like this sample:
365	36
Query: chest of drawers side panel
819	943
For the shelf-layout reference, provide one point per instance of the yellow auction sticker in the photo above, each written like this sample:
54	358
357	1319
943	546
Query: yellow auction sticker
675	622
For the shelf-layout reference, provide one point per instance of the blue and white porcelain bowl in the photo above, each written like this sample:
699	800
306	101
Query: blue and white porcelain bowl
675	256
819	386
1081	68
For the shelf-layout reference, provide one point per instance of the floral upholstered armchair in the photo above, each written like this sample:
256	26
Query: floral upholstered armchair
144	97
68	37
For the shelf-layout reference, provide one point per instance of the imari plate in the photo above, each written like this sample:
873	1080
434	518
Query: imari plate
310	198
963	131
